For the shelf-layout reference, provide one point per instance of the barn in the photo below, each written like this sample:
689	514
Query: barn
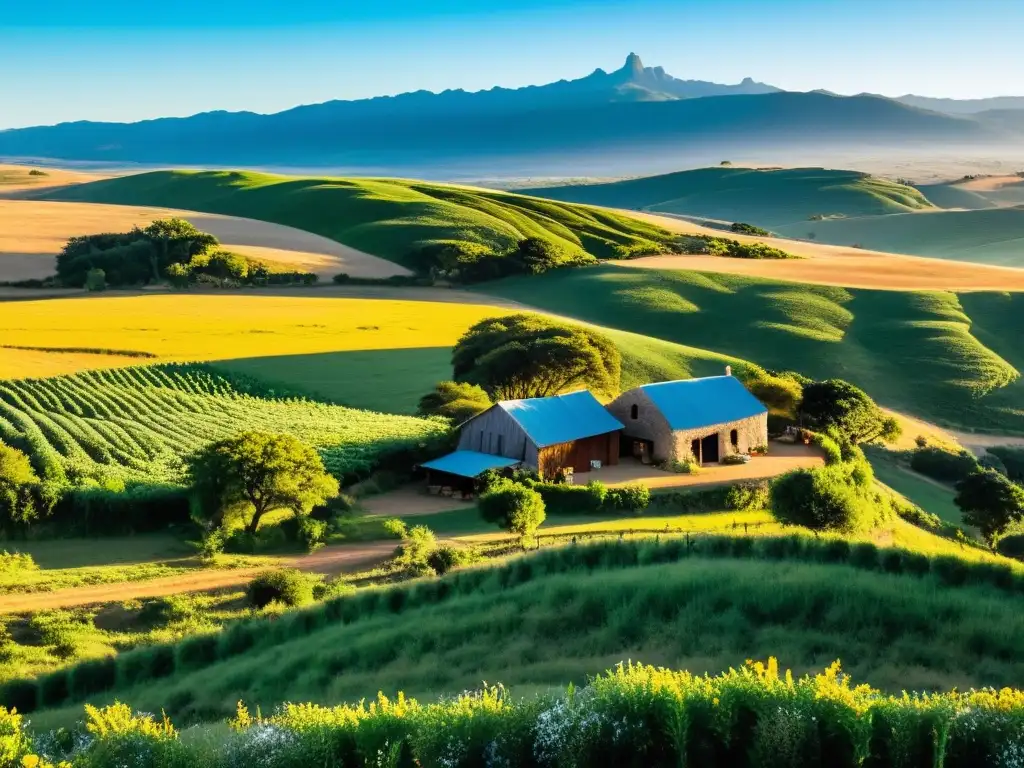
548	434
698	420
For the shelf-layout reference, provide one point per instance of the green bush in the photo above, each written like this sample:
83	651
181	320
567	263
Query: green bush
833	453
748	497
197	651
1011	546
20	695
825	499
53	689
942	465
93	676
446	557
633	498
562	499
285	586
515	508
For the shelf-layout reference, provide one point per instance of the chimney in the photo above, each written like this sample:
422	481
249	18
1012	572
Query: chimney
728	370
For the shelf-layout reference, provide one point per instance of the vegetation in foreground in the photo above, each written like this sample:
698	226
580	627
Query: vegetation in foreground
952	359
701	603
635	715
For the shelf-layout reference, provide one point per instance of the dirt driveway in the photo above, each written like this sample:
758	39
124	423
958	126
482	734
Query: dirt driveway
330	560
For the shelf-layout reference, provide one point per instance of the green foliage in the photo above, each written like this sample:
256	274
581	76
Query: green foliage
990	502
513	507
743	228
1013	460
457	401
22	497
942	464
781	395
418	544
632	498
95	280
830	498
285	586
839	405
136	425
255	473
562	499
1011	545
522	356
833	453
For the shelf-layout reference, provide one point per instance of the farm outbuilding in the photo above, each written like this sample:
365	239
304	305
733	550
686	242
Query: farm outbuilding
548	434
698	420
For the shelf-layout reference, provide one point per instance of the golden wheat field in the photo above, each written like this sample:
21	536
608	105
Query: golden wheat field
174	327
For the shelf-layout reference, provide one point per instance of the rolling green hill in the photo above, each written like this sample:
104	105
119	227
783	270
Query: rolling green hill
994	236
767	198
136	424
950	359
546	619
390	218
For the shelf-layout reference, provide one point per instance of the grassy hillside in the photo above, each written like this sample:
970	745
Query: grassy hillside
994	236
768	198
390	218
136	424
553	617
955	196
914	351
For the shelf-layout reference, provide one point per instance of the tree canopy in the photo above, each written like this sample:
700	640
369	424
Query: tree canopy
990	502
22	496
254	473
454	400
837	404
520	356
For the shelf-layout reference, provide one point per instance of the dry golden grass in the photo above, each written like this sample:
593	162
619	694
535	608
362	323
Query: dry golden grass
32	232
835	265
991	183
19	181
185	327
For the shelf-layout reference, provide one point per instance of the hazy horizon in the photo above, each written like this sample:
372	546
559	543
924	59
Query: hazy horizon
116	61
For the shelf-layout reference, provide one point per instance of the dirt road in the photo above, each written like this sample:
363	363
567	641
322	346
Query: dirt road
330	560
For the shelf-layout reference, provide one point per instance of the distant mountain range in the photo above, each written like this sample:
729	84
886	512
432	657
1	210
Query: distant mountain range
633	109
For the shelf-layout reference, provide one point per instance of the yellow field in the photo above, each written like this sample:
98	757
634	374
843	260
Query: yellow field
177	327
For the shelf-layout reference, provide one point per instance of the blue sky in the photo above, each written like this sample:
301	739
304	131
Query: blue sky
128	60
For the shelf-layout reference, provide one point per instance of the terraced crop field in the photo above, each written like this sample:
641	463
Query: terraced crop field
136	424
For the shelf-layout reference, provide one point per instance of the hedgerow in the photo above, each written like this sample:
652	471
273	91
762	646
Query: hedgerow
634	715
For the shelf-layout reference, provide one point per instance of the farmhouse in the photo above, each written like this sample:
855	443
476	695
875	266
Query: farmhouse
548	434
698	420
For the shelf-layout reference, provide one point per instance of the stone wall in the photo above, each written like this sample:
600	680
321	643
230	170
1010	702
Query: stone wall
750	433
649	424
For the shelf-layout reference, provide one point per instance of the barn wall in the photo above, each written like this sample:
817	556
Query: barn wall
579	453
752	432
650	424
482	434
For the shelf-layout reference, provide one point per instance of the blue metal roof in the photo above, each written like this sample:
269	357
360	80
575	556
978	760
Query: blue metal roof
703	402
562	418
468	463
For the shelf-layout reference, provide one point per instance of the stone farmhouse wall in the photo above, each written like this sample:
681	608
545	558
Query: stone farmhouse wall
750	433
671	445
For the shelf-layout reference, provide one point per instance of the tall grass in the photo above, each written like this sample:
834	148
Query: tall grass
635	715
546	618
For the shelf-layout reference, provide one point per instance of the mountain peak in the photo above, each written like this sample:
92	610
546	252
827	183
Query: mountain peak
633	65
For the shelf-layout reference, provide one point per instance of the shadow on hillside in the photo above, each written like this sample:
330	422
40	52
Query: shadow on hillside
387	380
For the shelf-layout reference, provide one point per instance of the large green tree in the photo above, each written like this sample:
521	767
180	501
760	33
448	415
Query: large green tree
522	355
990	502
839	405
254	473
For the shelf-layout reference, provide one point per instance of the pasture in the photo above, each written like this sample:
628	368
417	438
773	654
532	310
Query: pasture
766	197
918	352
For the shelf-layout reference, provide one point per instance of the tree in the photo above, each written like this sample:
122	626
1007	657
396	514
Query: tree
175	241
514	507
20	500
990	502
520	356
255	473
454	400
781	395
837	404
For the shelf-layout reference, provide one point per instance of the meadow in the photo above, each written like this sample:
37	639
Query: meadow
390	218
919	352
135	425
765	197
544	619
993	236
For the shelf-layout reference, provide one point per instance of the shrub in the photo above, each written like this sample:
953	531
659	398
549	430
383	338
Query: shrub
633	498
286	586
990	502
824	499
513	507
1012	546
94	676
838	405
732	459
446	557
417	545
562	499
743	228
95	280
831	449
748	497
312	533
943	465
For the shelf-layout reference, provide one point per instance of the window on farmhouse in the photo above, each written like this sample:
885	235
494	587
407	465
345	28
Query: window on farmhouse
734	438
634	412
